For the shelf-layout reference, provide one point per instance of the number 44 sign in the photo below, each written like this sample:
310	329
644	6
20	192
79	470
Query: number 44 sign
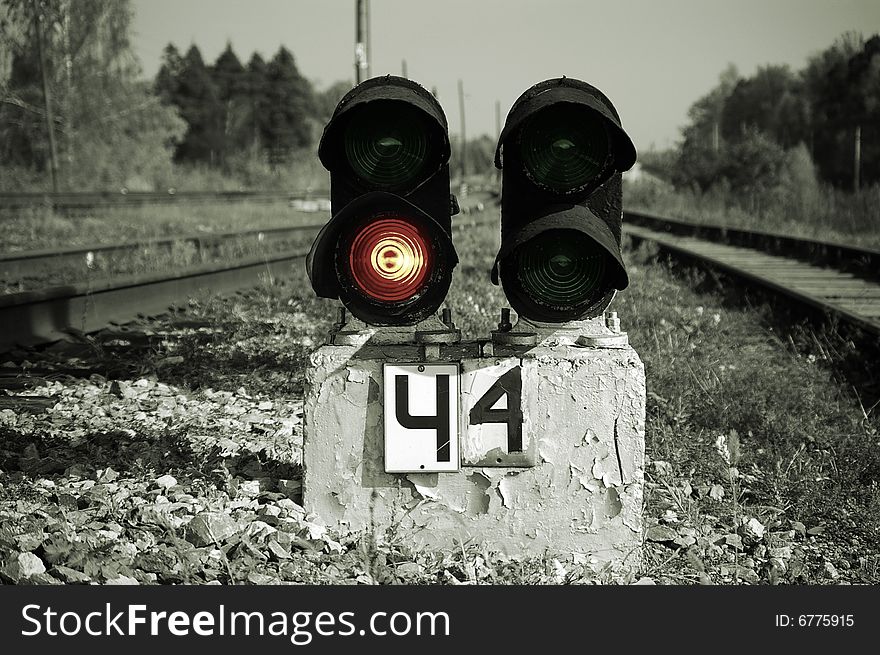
423	421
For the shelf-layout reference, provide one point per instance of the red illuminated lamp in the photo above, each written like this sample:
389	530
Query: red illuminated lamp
390	259
387	250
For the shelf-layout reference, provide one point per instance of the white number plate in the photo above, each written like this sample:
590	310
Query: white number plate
495	430
421	418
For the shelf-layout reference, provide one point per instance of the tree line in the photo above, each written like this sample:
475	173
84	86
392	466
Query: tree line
265	110
71	99
75	109
262	109
74	104
750	133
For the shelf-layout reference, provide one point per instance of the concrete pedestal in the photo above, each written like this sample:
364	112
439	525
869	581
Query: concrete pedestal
576	487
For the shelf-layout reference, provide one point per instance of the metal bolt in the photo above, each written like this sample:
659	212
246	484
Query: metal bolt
340	318
504	325
612	322
446	317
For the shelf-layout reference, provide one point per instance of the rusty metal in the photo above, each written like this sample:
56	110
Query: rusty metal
603	340
27	404
506	336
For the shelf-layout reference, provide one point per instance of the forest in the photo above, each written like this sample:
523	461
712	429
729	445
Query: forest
74	63
748	133
77	115
198	124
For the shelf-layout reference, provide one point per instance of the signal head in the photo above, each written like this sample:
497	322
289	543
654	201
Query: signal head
387	250
574	102
561	151
386	134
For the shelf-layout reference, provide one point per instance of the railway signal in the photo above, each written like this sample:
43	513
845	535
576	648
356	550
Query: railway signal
386	251
561	152
476	439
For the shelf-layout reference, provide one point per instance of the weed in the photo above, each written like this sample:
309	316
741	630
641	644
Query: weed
807	451
827	215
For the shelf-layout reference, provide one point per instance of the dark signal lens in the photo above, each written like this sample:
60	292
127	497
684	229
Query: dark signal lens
558	275
390	259
564	148
387	145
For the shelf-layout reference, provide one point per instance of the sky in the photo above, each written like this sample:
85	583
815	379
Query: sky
652	58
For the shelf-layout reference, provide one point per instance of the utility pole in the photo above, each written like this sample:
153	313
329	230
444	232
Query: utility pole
403	68
47	99
857	158
497	135
68	101
463	131
361	63
369	32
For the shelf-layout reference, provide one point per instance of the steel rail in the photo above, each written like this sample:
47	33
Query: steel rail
51	314
18	265
72	201
819	275
855	259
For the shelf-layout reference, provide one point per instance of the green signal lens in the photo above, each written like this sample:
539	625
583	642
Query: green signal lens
387	144
564	147
562	269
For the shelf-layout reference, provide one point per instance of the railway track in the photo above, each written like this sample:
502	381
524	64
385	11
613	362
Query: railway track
46	315
51	314
835	279
34	263
72	203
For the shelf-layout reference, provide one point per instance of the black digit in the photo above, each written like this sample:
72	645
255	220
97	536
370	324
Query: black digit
440	422
510	385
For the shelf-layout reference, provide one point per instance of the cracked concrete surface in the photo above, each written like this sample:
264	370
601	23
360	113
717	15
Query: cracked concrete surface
583	413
